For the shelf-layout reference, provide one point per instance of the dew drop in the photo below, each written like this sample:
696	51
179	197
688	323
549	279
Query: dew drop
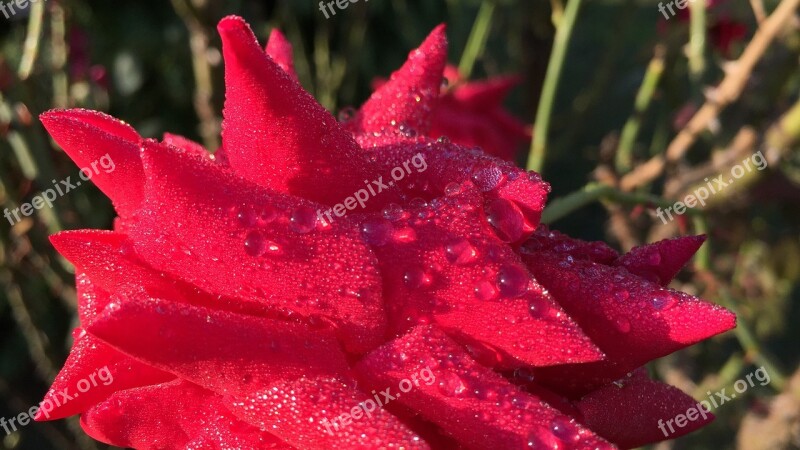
460	252
452	189
246	218
623	325
452	385
485	290
506	220
267	215
564	430
346	114
417	279
538	308
254	244
621	295
417	203
303	219
487	178
662	301
512	281
443	140
393	212
377	231
654	259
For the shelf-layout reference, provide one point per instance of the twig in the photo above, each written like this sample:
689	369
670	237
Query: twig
32	39
758	10
476	43
550	86
204	87
624	158
726	92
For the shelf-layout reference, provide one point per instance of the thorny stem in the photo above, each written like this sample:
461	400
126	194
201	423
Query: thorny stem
476	43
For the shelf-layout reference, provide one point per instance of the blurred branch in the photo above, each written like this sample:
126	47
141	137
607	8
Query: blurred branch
541	127
476	43
32	39
593	192
624	157
758	10
725	93
696	49
204	89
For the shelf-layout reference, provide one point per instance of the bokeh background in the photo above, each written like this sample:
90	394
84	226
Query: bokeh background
622	83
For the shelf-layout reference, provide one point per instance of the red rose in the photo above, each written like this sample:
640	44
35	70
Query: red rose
235	308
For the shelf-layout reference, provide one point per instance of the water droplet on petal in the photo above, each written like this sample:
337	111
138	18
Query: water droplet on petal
254	244
654	259
417	279
452	189
303	219
621	295
506	220
246	217
538	307
487	178
443	140
564	430
452	385
622	324
460	252
377	231
267	214
512	280
393	212
346	114
417	203
663	301
485	290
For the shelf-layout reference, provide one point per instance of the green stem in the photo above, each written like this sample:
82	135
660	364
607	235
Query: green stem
550	86
32	39
630	131
476	42
750	344
697	43
593	192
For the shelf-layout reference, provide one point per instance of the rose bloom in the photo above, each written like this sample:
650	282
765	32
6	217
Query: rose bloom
248	300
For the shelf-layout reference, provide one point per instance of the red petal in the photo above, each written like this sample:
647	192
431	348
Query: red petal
410	95
176	415
513	198
546	240
443	264
430	373
661	261
185	144
225	352
282	255
98	370
632	320
91	298
90	137
276	135
487	94
636	411
309	413
280	50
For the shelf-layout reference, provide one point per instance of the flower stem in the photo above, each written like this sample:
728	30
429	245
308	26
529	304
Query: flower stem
476	42
592	192
624	158
550	87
